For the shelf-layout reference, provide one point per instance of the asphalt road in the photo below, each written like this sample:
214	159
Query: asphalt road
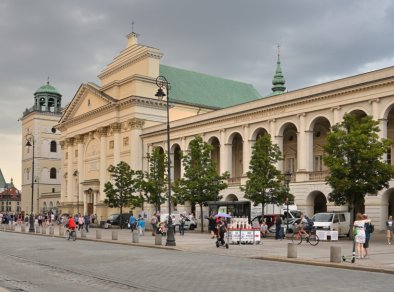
37	263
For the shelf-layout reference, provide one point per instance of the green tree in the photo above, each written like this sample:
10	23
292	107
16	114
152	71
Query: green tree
265	184
121	190
201	183
353	154
155	183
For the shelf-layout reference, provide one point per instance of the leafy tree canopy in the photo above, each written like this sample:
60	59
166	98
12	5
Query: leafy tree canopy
353	153
155	183
201	183
265	184
121	190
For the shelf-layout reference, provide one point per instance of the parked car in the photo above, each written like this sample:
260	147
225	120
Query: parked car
114	219
269	220
189	224
333	221
293	222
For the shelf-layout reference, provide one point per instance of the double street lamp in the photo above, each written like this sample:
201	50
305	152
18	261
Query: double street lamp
287	181
162	82
30	143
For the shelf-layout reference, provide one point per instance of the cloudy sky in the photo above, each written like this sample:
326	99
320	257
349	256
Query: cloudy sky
71	41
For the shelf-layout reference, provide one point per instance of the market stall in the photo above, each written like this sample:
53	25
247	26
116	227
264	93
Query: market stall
241	232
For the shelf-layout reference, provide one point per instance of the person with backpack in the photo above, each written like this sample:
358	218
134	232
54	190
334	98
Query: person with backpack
368	230
306	224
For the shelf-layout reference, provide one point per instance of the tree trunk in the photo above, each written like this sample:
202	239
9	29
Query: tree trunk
202	218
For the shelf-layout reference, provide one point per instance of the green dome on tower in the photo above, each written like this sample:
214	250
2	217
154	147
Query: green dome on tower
47	89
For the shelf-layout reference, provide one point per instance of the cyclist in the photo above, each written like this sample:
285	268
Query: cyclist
71	224
305	225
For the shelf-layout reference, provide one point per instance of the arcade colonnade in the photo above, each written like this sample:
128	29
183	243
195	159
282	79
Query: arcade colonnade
301	136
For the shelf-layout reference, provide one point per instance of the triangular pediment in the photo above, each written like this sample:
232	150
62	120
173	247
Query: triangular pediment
87	99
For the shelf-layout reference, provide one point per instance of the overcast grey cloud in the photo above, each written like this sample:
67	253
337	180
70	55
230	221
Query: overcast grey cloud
71	41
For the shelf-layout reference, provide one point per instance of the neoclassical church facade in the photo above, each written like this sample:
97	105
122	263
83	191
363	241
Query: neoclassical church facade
122	120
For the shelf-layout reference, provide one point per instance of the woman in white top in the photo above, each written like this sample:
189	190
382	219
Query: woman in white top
359	233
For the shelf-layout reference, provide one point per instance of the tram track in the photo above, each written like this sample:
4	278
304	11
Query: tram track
74	275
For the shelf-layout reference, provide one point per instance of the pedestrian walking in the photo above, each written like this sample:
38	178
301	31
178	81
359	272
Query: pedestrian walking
212	226
86	218
141	225
278	227
182	221
367	226
389	227
153	222
81	221
359	233
132	222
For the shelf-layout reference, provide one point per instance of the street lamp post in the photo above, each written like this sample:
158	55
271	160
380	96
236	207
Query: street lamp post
30	143
287	180
162	82
76	174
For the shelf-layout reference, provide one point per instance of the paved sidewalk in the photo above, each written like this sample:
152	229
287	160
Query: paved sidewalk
381	255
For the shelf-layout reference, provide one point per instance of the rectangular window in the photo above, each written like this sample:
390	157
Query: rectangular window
126	141
76	153
111	144
318	163
66	155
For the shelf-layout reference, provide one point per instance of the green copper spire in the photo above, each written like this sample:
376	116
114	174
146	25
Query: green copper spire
279	81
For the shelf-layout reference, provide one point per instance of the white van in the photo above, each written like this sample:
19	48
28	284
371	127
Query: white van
189	224
333	221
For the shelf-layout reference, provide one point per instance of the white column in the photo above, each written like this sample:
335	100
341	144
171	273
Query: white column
80	166
136	154
102	132
301	144
336	115
85	203
245	150
309	150
375	108
116	127
279	141
70	160
63	194
183	148
223	152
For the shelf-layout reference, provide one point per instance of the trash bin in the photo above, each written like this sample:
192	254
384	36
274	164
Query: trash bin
102	224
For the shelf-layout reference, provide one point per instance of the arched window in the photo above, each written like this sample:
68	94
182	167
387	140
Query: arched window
53	146
52	174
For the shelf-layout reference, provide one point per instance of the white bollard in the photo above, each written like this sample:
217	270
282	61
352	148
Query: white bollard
335	254
136	237
291	250
98	234
114	235
83	233
158	239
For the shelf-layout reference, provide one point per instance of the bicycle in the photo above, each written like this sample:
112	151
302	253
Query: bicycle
312	238
70	234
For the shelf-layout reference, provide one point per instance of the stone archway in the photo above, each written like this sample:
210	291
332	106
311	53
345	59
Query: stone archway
231	198
317	203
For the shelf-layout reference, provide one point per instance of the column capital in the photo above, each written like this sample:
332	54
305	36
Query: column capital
377	100
102	131
301	115
336	108
136	123
62	144
79	139
69	141
116	127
